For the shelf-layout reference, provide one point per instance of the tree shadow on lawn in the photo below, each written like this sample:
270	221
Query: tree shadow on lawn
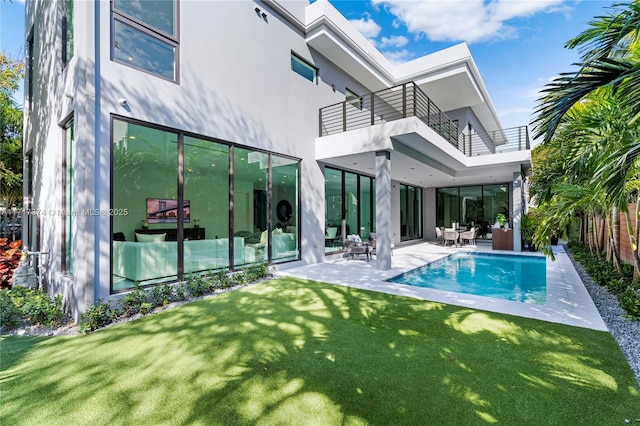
299	352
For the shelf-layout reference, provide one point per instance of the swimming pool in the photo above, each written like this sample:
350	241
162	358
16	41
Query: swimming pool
509	277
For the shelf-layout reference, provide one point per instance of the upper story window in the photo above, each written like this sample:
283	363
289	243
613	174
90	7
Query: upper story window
304	68
145	35
67	31
352	98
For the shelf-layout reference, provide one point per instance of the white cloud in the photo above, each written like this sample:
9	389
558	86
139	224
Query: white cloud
399	56
393	41
367	26
464	20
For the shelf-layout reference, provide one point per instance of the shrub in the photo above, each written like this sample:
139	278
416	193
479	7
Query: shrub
618	285
133	302
162	294
10	314
196	286
630	301
239	278
180	292
98	315
221	279
43	309
9	260
257	271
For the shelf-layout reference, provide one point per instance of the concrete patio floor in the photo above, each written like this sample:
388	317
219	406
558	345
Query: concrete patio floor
567	302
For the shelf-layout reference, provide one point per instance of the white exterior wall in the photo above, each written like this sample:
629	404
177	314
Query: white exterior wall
235	84
58	94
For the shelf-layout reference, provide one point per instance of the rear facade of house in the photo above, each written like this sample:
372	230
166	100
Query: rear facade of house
171	138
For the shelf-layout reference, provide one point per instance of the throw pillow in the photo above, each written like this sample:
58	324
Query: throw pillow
150	238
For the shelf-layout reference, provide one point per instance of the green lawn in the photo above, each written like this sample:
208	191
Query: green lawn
290	351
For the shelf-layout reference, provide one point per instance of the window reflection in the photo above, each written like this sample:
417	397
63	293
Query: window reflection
140	50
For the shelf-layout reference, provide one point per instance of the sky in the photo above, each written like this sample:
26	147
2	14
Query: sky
518	45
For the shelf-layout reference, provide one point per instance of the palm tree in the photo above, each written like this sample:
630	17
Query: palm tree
609	58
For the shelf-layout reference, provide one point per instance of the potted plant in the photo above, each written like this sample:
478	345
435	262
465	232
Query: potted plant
501	219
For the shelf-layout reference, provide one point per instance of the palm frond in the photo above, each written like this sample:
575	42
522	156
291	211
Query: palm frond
607	35
568	89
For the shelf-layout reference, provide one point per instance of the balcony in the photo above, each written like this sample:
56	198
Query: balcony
408	100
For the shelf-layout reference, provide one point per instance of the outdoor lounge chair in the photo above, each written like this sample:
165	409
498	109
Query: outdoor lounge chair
354	248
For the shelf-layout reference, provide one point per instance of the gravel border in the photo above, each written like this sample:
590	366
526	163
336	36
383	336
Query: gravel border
625	331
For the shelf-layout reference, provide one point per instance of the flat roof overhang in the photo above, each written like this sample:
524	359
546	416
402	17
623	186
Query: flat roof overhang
419	156
449	77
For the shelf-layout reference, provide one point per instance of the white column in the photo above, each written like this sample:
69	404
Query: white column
383	210
516	212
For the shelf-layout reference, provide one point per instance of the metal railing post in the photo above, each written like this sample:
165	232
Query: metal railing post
415	100
320	122
404	100
373	117
344	116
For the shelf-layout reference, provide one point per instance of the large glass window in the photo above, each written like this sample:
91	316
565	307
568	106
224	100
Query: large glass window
472	206
410	213
303	68
284	209
145	36
145	205
184	205
333	209
206	190
349	207
367	207
250	205
351	204
68	168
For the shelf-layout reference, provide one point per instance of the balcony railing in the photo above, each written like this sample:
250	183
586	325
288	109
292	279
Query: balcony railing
408	100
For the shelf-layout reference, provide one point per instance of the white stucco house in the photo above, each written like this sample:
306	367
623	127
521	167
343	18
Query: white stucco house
168	138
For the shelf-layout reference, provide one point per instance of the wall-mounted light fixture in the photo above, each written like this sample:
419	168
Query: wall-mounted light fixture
333	86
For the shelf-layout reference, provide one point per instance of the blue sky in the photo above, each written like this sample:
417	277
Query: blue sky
518	45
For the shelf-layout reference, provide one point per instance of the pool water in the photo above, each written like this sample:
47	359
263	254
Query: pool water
510	277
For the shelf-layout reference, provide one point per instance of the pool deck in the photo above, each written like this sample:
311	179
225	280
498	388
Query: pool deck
568	302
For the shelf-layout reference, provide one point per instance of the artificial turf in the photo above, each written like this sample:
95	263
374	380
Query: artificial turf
290	351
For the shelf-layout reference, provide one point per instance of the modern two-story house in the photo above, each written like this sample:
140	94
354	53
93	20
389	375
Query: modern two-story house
168	138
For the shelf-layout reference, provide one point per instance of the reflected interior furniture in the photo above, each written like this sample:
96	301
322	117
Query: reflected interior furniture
147	261
172	233
502	239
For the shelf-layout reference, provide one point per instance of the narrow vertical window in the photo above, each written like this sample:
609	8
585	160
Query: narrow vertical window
30	75
28	200
67	31
68	168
